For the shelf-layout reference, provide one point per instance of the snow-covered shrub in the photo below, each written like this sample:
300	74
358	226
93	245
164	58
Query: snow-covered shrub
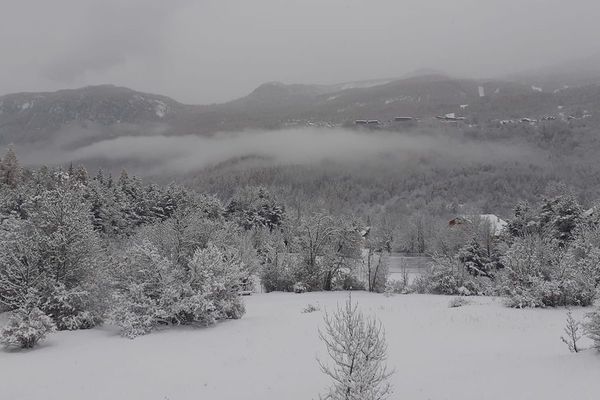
396	287
458	302
542	274
153	291
449	279
358	351
26	328
519	298
135	312
70	309
217	273
592	328
300	287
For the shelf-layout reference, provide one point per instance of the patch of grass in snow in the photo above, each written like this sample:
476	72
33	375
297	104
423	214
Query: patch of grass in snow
310	308
458	302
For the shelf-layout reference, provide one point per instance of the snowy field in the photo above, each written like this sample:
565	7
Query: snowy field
480	351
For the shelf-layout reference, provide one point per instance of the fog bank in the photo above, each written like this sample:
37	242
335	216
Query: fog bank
157	155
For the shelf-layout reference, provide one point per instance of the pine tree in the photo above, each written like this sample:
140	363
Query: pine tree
10	171
572	332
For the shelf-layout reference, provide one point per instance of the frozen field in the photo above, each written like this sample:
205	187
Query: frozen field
480	351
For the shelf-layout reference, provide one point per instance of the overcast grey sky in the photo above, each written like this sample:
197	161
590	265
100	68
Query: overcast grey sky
204	51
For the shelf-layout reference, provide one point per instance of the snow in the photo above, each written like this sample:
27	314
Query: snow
160	108
401	98
464	106
363	85
536	88
26	106
479	351
497	224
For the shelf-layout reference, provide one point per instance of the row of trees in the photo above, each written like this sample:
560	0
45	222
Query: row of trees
548	255
77	251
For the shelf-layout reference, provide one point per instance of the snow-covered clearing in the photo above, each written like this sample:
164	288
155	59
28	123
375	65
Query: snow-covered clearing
478	351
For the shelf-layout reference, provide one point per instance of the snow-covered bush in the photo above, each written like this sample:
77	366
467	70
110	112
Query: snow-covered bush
448	277
217	273
153	291
540	273
71	309
26	328
585	252
592	328
397	287
135	312
299	287
358	351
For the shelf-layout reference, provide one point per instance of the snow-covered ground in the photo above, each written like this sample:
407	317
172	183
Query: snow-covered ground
481	351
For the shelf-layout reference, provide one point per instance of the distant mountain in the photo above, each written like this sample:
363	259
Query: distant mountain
33	117
80	116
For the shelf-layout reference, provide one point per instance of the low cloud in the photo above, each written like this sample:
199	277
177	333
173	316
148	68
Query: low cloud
159	154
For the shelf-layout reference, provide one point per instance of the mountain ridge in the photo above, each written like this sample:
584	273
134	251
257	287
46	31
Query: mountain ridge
112	111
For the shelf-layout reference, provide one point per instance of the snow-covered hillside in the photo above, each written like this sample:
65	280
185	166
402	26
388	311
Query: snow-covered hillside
478	351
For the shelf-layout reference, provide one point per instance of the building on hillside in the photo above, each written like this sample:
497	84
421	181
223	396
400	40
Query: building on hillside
450	117
456	221
530	121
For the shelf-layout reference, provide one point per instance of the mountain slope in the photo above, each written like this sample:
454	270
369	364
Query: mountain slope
92	113
31	117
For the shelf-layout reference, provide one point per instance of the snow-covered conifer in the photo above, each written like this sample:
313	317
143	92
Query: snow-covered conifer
358	351
572	333
10	171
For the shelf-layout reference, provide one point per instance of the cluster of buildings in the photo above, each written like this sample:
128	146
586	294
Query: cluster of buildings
533	121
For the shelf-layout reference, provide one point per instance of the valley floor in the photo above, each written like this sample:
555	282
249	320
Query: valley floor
481	351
